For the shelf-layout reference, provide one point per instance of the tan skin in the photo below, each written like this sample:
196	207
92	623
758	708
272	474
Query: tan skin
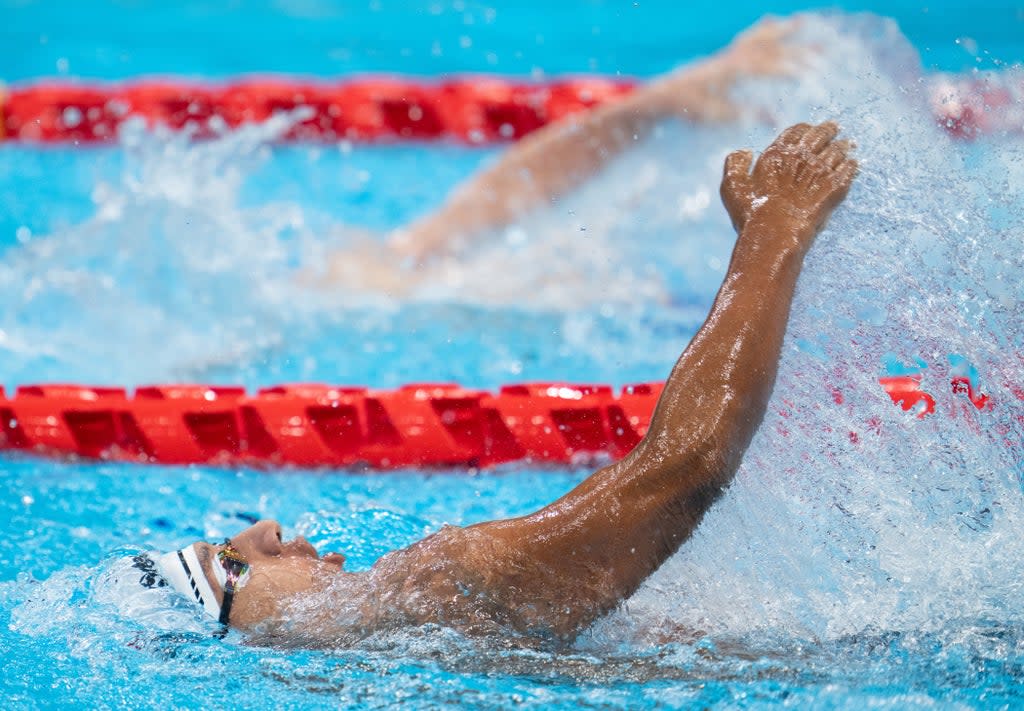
552	161
550	574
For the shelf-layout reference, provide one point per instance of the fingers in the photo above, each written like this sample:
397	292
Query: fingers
835	153
808	137
792	135
817	138
737	163
804	158
847	171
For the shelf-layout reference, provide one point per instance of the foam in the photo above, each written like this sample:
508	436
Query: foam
916	525
912	527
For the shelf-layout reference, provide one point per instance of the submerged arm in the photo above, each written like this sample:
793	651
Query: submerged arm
594	546
558	157
541	166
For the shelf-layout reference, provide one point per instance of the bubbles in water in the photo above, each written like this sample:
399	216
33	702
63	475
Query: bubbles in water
171	271
847	514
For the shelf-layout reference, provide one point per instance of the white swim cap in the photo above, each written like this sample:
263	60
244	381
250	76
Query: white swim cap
182	571
137	589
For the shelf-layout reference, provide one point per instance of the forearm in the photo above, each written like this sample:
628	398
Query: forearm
540	167
717	393
558	157
632	515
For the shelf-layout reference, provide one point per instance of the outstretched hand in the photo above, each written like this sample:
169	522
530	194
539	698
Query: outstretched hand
799	179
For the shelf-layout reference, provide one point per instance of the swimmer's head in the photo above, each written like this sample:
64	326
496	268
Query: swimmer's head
137	589
248	579
183	571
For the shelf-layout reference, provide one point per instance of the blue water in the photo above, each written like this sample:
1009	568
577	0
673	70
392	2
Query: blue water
832	575
114	40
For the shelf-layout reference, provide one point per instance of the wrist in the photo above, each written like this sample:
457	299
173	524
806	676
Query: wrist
778	233
680	90
782	217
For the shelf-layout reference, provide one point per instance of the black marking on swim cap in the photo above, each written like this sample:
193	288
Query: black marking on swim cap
150	577
191	580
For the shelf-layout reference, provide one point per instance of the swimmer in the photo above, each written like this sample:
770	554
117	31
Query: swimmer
546	576
559	157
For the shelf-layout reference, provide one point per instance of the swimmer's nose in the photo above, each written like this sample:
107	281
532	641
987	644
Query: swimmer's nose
263	537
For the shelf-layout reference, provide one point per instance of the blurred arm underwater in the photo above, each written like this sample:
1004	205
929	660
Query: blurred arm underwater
553	160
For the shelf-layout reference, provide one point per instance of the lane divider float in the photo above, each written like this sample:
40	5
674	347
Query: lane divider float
474	109
439	425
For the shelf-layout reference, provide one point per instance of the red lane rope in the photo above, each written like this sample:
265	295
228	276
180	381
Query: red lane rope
314	425
319	425
476	109
473	109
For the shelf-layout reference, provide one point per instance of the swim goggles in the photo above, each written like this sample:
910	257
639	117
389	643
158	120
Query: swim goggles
184	573
232	571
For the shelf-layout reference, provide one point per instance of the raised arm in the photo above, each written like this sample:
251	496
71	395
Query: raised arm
558	157
553	572
581	555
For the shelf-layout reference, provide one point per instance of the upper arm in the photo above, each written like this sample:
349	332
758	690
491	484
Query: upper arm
552	571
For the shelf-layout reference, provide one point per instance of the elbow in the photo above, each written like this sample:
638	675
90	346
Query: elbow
702	461
714	461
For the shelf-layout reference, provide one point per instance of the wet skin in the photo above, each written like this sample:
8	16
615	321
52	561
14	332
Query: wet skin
551	573
279	570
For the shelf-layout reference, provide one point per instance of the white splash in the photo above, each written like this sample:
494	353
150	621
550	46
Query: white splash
907	524
854	516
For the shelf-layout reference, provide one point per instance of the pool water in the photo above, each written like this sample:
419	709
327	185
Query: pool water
862	556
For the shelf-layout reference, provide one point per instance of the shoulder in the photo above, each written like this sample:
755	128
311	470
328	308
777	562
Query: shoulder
451	551
441	564
442	579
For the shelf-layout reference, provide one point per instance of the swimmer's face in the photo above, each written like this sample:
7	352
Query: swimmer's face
279	571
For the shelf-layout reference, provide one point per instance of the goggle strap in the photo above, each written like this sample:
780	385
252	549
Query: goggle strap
225	607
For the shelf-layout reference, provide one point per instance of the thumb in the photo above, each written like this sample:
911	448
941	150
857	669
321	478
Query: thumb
737	165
